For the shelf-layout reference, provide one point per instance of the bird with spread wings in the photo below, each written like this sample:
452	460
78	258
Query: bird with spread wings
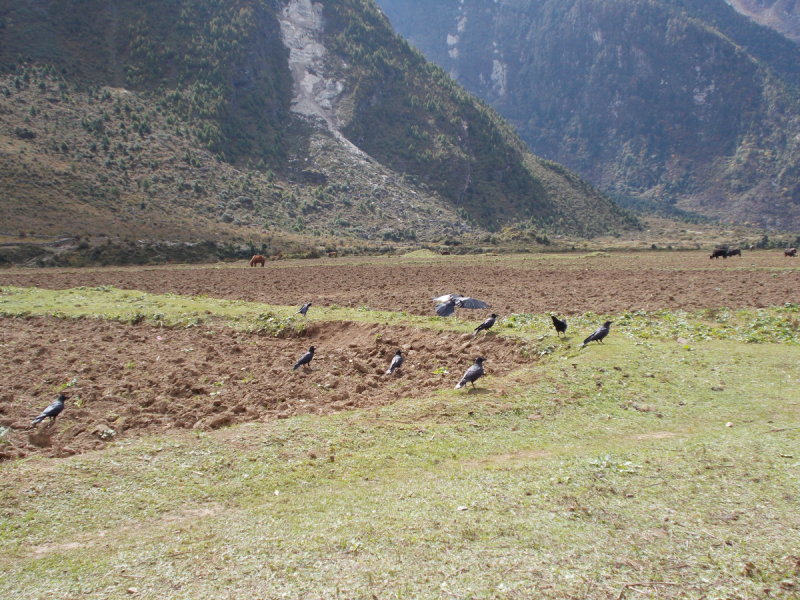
448	303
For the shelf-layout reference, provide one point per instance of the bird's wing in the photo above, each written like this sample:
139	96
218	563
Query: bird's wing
54	408
471	303
446	309
445	298
593	337
471	373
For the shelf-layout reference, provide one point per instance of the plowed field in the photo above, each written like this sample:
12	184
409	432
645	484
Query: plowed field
564	284
129	380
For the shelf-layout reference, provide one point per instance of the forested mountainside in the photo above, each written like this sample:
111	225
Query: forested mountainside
685	103
179	119
783	16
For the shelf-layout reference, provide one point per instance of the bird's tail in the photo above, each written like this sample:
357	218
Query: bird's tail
390	371
460	385
297	366
38	419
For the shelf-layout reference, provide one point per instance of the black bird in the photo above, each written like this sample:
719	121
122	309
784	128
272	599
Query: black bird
486	325
52	411
472	375
397	362
598	335
448	302
303	309
305	359
561	326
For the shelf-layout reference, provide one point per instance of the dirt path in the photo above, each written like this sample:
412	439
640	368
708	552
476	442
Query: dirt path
567	285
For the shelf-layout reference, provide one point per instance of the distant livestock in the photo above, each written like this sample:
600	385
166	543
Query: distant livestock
790	252
735	252
445	254
751	248
258	260
331	254
723	252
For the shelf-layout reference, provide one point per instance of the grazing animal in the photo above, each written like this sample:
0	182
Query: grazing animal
303	309
258	260
445	254
331	254
561	326
397	362
790	252
486	325
735	252
751	248
52	411
600	334
723	252
472	375
448	302
305	360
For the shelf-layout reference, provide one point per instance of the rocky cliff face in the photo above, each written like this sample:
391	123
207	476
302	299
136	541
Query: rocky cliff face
686	104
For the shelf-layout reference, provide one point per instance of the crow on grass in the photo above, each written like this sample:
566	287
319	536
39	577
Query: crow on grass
600	334
561	326
486	325
472	375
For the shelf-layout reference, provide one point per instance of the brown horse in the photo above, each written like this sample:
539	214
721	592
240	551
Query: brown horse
258	260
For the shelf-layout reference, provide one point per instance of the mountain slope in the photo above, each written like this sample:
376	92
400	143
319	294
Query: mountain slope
207	119
684	103
783	16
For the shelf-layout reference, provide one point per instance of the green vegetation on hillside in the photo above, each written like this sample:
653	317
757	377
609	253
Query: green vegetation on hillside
413	116
218	68
684	103
171	120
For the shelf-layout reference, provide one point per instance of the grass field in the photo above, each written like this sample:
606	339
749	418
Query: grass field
647	467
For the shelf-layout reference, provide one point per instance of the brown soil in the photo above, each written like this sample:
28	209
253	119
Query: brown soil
130	382
567	285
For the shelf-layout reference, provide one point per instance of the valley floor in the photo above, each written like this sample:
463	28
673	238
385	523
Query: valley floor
194	464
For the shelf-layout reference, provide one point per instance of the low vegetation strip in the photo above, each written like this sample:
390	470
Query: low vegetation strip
769	325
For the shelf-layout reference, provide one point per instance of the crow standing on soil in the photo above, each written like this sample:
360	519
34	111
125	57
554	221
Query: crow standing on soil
472	375
561	326
486	325
52	411
305	359
598	335
303	309
448	302
397	362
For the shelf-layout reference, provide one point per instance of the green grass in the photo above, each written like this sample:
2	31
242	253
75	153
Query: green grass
781	324
591	469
